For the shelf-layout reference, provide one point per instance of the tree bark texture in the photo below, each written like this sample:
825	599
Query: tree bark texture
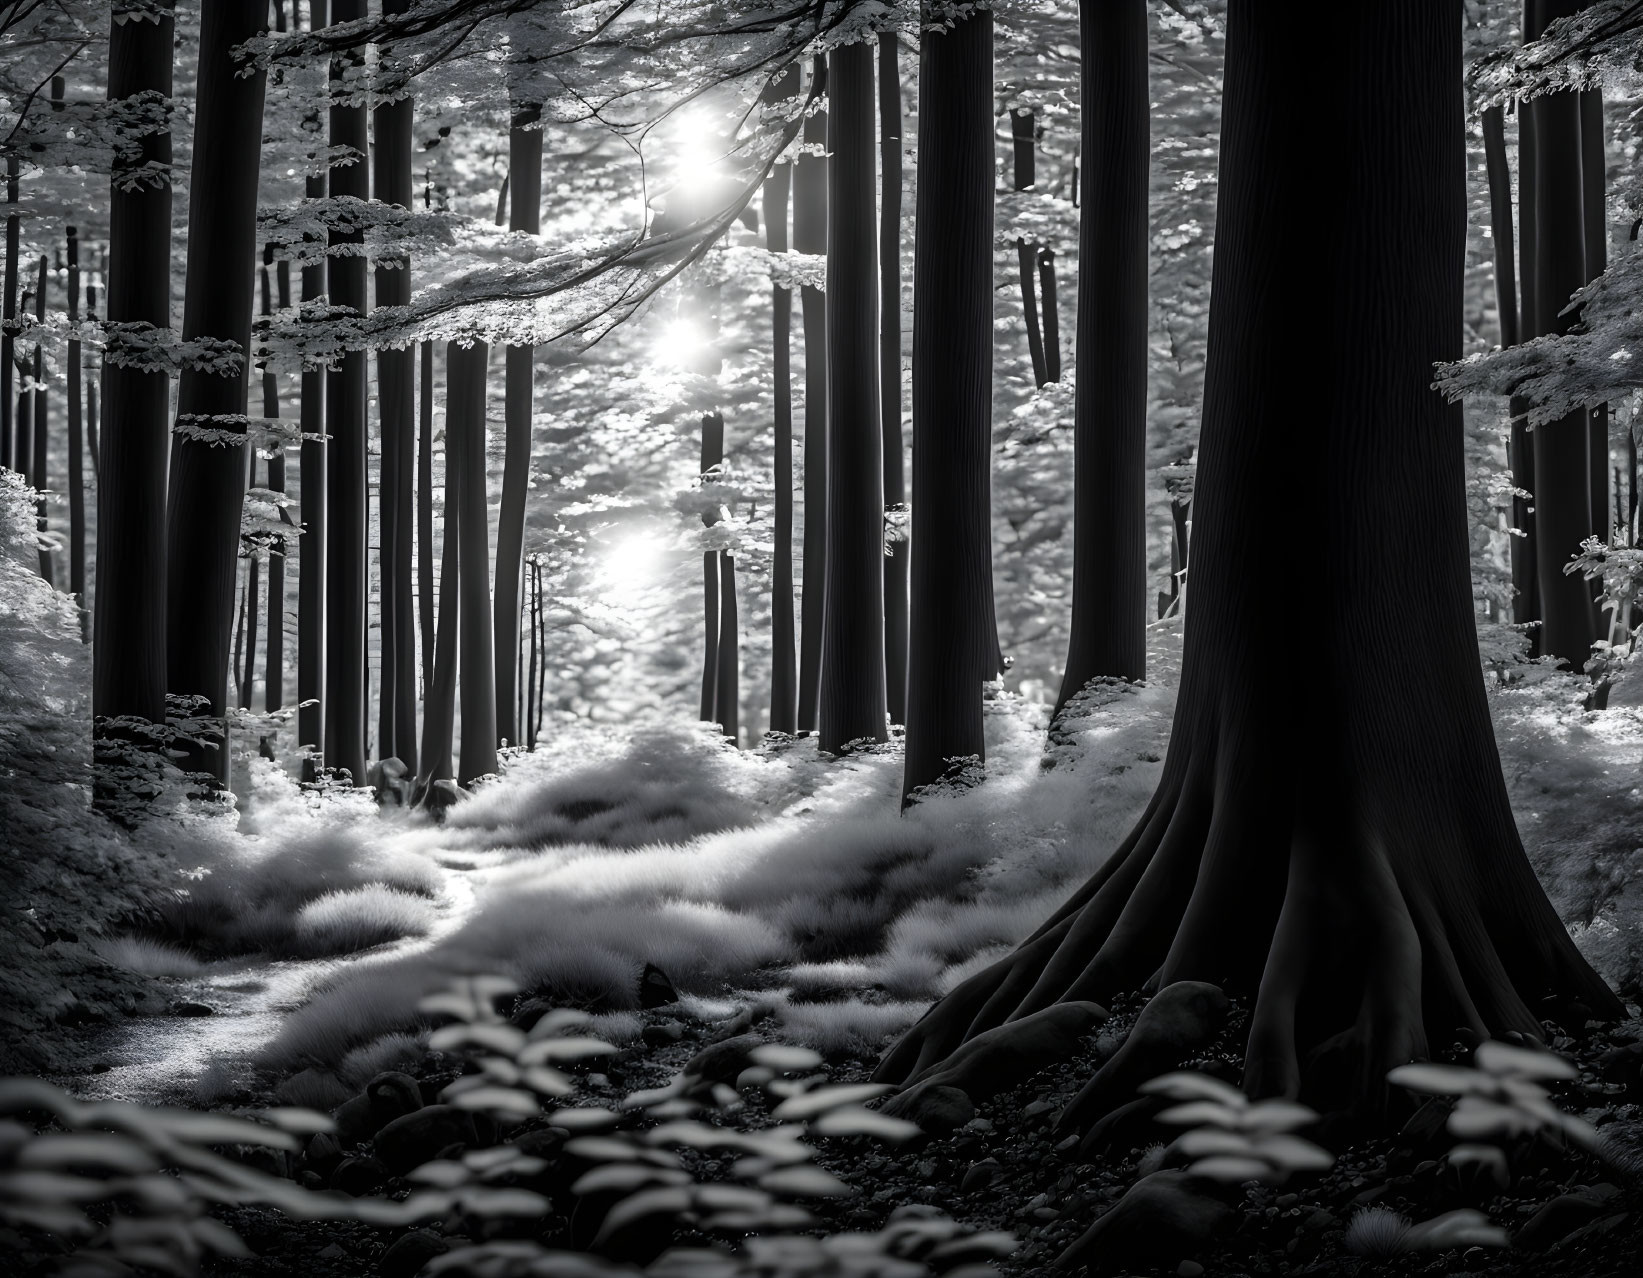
1344	853
41	477
76	447
810	197
396	409
347	578
952	647
425	514
128	629
1109	612
8	316
852	703
439	704
895	478
465	444
713	455
525	174
274	670
784	690
1021	138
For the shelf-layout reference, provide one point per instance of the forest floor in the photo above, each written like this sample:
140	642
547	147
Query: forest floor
682	893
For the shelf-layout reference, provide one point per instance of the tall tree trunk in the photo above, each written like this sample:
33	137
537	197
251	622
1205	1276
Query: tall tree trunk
25	410
727	683
249	676
42	438
439	711
313	551
1344	854
76	446
128	655
274	669
784	690
8	326
425	514
852	674
396	406
895	481
1520	443
92	445
810	200
1595	237
1562	466
1525	587
1109	614
347	572
465	446
525	174
530	726
713	454
1021	138
209	465
952	642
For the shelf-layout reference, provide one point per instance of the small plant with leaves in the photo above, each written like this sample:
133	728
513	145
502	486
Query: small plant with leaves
1380	1232
1234	1139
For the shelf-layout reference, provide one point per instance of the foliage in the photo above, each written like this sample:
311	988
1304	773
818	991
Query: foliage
1232	1138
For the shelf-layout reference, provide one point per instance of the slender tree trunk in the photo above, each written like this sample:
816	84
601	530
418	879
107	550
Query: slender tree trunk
439	710
347	477
1526	608
249	675
1562	467
25	411
8	328
1021	137
852	678
784	691
465	445
314	555
525	172
1525	587
530	727
76	446
1594	192
727	683
1109	612
209	460
895	481
1343	854
952	640
425	514
396	405
243	602
810	200
91	397
274	669
1052	314
713	454
128	656
42	437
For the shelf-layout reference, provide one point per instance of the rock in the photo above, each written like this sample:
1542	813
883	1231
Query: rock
1180	1019
1128	1127
1001	1058
323	1152
1189	1269
332	1251
655	990
979	1175
391	780
385	1098
312	1089
413	1139
407	1254
359	1176
936	1108
192	1009
1563	1216
721	1062
1593	1232
441	797
662	1034
1164	1217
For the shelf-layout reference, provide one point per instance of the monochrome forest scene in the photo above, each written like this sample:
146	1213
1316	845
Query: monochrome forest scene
821	638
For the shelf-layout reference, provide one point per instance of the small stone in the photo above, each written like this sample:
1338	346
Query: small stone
192	1009
407	1254
721	1062
411	1140
655	989
357	1177
331	1251
981	1174
1162	1217
662	1034
1189	1269
936	1108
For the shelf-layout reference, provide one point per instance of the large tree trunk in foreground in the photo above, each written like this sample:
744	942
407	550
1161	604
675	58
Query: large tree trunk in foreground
525	174
810	236
466	368
895	477
346	570
1109	614
852	670
1595	237
784	688
208	478
1345	852
396	408
128	656
952	649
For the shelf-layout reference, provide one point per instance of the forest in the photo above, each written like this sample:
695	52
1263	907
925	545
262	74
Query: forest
821	638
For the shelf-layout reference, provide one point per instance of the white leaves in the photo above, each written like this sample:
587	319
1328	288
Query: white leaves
823	1099
858	1120
1236	1139
505	1040
1186	1085
1507	1060
1501	1099
1463	1228
1439	1080
805	1181
785	1059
